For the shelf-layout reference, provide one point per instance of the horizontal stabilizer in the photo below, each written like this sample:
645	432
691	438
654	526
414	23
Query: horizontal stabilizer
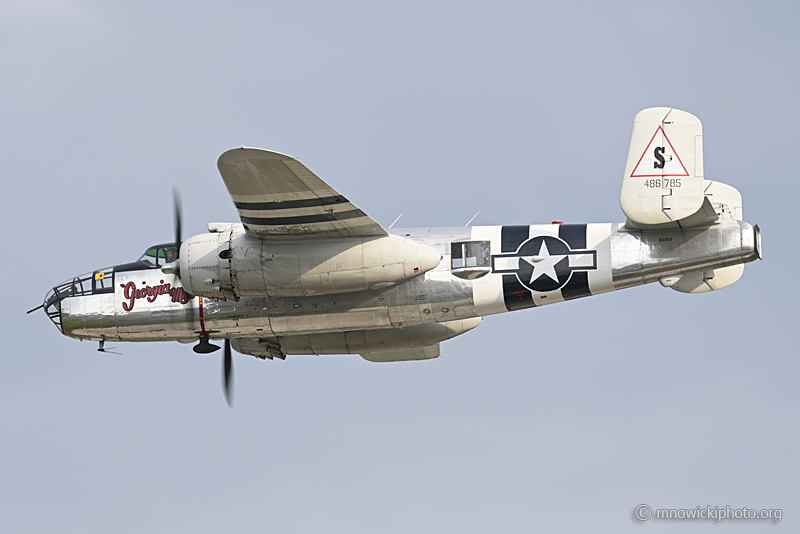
702	217
663	179
708	280
721	202
726	199
425	353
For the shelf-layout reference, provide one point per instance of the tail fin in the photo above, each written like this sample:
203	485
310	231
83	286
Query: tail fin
663	187
663	180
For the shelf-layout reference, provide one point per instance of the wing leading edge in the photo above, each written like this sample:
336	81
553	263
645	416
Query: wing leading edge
278	197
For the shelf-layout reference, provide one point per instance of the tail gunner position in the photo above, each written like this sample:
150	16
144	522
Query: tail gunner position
307	272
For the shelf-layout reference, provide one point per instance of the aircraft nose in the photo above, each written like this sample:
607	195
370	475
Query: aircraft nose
83	306
80	285
52	305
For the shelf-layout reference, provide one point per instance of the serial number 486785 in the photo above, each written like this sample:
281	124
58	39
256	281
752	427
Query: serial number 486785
662	182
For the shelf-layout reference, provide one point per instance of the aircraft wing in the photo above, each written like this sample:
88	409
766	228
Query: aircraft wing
278	197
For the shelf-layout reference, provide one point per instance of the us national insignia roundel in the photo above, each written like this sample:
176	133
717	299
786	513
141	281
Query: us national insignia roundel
543	263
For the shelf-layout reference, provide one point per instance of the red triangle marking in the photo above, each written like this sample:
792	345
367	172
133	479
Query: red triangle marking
633	173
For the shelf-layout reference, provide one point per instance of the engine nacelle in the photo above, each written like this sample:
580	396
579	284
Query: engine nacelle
228	264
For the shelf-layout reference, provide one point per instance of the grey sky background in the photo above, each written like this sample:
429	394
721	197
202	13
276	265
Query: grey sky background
560	419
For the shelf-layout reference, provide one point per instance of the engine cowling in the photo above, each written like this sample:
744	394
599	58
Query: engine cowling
228	264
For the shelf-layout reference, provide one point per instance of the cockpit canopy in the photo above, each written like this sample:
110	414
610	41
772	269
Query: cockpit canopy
159	255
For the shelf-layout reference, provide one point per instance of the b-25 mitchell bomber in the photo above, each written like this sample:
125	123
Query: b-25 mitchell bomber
307	272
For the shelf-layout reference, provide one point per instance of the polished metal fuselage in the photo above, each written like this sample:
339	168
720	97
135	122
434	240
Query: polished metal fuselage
146	304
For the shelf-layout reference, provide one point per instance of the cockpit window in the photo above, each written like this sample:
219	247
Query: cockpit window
159	255
167	254
149	257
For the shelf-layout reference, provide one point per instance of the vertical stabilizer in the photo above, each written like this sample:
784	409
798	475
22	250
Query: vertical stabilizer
663	180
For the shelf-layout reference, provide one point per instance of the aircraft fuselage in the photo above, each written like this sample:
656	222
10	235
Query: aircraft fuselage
500	269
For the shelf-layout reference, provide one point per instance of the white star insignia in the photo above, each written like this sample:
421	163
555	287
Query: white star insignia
543	263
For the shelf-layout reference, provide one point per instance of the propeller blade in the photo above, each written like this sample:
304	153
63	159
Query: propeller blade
227	374
176	196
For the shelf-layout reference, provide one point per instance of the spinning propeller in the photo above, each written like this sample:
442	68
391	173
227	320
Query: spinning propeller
204	346
176	198
227	374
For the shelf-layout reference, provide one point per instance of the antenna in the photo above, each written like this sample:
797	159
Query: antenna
102	348
397	219
472	219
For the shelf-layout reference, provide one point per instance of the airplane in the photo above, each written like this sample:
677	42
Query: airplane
307	272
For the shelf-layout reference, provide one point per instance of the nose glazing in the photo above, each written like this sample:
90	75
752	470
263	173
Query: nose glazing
52	306
80	285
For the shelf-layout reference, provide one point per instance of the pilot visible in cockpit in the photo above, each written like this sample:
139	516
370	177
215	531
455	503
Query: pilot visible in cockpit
170	255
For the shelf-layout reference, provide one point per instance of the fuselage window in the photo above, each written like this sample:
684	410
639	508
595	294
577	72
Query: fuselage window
465	254
103	281
457	255
470	259
81	285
